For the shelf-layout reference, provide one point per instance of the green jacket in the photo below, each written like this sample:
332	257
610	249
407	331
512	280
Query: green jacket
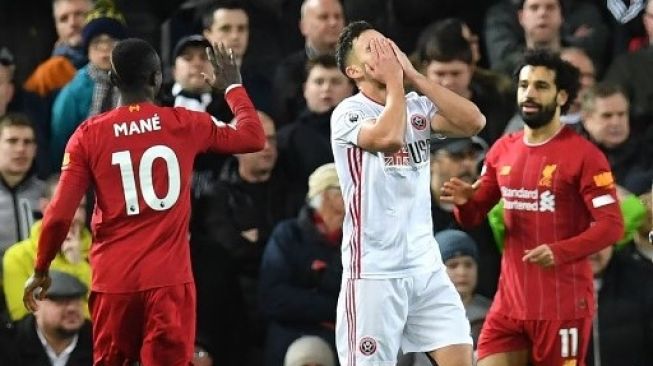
18	266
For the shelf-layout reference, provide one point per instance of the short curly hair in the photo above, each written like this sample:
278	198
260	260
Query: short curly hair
567	76
346	40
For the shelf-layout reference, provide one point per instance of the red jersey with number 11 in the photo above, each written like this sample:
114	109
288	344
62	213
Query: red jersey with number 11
559	193
140	158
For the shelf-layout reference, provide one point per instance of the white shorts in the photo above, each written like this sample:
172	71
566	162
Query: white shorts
377	317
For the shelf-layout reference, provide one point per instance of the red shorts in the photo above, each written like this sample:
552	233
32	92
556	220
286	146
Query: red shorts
550	342
155	327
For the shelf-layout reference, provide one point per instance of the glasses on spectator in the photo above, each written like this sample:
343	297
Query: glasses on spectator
6	57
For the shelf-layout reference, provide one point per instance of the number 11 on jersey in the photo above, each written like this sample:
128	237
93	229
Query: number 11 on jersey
124	160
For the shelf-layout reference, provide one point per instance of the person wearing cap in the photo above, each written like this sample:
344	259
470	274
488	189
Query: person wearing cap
460	158
460	255
309	351
235	207
301	269
57	334
18	260
189	89
90	92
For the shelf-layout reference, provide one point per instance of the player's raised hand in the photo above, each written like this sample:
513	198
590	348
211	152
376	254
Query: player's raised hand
409	70
383	65
542	255
225	69
35	288
457	191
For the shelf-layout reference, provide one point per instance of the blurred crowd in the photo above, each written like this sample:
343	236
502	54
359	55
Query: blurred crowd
266	227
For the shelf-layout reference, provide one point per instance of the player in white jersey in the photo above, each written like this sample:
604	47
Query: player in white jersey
395	294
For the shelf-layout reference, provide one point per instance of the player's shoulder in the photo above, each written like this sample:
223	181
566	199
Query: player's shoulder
578	142
509	140
352	107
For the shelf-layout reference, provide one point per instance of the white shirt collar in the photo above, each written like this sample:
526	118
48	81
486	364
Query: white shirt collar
62	358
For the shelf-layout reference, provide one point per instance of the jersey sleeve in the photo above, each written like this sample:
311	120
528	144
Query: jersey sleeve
244	135
429	108
597	187
486	196
346	122
72	186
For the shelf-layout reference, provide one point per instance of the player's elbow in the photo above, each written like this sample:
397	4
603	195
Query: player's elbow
475	122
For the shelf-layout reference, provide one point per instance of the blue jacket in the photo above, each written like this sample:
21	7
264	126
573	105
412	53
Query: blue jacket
70	109
299	285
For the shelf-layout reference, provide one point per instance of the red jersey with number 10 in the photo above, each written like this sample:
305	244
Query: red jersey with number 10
140	158
559	193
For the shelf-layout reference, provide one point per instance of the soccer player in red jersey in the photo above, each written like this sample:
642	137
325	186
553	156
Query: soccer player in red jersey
560	205
139	158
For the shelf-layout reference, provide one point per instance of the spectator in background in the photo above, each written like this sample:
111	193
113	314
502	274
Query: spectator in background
461	157
18	261
57	334
231	222
460	256
623	323
68	54
90	92
20	190
513	25
189	89
306	144
632	71
447	59
321	22
578	58
606	123
301	269
309	351
642	248
625	20
227	22
7	89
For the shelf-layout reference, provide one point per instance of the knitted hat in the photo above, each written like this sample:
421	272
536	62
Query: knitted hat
309	350
104	19
321	179
456	243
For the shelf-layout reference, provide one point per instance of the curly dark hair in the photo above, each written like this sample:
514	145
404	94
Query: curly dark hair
567	76
346	40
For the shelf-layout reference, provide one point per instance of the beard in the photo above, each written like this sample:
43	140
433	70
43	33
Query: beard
539	118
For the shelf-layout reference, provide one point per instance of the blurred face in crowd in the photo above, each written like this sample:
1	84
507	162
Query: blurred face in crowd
60	317
69	18
17	150
99	51
262	162
585	66
599	260
454	75
321	24
537	95
230	27
188	69
6	87
446	165
463	272
608	124
541	20
325	88
332	209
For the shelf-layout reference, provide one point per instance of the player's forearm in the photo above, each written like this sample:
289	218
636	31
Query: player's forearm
603	232
464	115
469	215
250	136
390	127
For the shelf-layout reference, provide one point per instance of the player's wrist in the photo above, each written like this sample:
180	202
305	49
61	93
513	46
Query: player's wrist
40	272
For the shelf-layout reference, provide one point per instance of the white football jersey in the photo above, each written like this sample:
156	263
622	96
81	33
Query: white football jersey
388	231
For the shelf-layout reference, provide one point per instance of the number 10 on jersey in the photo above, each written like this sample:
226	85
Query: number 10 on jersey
124	160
